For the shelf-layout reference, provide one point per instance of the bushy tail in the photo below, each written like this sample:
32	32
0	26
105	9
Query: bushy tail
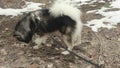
60	8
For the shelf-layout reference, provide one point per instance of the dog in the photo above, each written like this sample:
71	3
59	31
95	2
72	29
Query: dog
61	17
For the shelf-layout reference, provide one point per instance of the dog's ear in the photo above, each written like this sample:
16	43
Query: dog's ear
32	25
33	22
45	12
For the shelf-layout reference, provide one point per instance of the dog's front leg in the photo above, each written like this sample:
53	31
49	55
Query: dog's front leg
77	41
39	40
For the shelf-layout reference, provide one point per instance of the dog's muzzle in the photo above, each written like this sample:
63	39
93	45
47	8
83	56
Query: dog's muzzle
20	37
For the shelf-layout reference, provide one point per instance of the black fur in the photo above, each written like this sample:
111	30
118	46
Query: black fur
59	23
30	25
24	29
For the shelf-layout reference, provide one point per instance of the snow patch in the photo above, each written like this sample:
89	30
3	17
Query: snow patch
115	4
91	11
29	6
112	18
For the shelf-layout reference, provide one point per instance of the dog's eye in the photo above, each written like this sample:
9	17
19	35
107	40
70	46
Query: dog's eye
16	34
18	37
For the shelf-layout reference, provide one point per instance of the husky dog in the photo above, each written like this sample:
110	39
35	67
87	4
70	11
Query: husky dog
61	17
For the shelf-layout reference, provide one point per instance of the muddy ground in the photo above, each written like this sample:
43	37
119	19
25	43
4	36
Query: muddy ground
102	47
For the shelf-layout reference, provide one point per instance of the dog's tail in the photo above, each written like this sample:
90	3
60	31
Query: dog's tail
60	8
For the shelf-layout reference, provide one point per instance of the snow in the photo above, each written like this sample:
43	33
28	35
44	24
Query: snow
112	18
98	23
115	4
29	6
92	11
79	2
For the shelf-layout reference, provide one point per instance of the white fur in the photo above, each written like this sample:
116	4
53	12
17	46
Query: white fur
39	41
63	8
60	8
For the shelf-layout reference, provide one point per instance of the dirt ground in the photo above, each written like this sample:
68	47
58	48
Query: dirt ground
102	47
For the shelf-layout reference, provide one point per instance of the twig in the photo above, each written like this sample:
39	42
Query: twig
100	47
93	63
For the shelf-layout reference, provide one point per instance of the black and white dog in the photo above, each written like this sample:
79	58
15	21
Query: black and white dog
61	17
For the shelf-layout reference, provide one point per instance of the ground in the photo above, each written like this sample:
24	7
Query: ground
101	47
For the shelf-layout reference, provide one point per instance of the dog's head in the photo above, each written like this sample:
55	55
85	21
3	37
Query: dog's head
27	27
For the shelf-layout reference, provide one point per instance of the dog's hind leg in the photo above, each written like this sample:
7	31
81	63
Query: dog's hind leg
67	39
77	40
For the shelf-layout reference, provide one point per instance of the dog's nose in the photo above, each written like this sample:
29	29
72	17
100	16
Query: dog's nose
16	34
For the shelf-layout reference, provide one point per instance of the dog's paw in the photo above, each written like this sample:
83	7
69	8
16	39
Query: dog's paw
65	52
37	47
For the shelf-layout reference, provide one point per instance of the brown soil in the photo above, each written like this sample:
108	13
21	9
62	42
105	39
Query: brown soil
102	47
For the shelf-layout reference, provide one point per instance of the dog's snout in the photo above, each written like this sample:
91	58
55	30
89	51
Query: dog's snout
17	35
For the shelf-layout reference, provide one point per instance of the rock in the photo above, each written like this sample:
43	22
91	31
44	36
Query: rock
89	66
101	62
6	29
119	39
34	66
65	53
56	49
3	31
21	52
36	47
49	45
3	51
50	65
